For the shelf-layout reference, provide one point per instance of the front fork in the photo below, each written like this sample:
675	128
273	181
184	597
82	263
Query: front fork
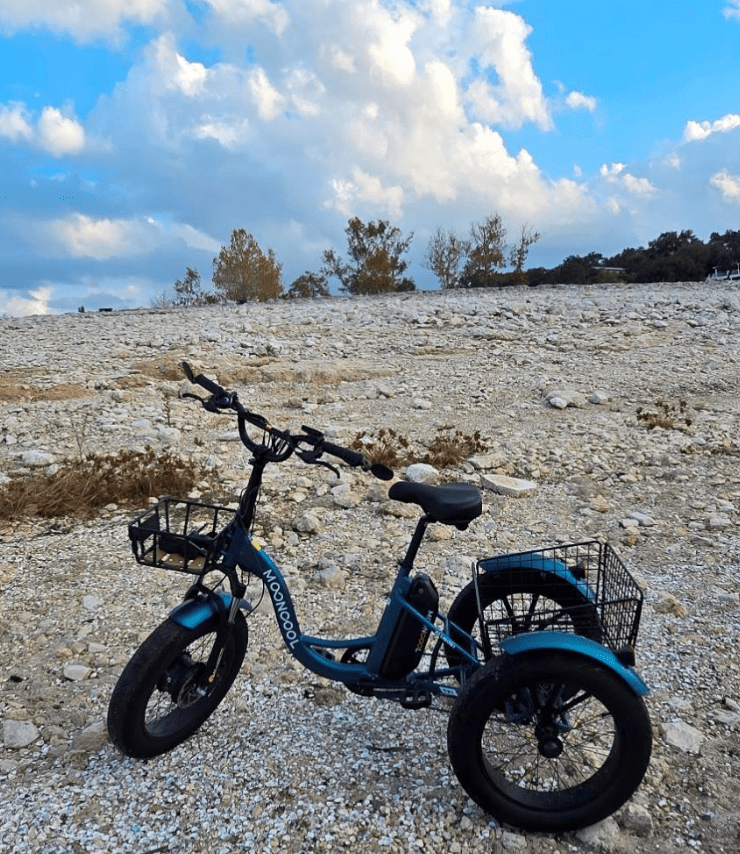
216	609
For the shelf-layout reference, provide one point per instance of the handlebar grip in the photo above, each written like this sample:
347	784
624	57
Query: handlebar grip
202	381
352	458
209	385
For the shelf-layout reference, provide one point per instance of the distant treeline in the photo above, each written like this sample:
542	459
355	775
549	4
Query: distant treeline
672	257
376	263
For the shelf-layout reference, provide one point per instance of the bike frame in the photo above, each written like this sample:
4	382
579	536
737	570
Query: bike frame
242	552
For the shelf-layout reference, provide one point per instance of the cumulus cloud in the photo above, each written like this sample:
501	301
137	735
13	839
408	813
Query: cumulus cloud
617	174
732	10
84	20
245	12
54	132
17	304
727	184
517	96
15	123
58	134
268	100
702	130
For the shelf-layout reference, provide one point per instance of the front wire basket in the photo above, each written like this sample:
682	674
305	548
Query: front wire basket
581	588
185	536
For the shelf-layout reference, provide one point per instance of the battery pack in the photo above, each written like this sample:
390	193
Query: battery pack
409	635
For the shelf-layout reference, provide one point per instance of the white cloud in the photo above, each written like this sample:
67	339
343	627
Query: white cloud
617	174
54	132
14	122
341	59
84	20
241	12
392	59
58	134
15	304
364	188
727	184
579	101
613	170
269	101
733	10
701	130
367	107
517	97
175	72
674	161
637	186
227	132
81	236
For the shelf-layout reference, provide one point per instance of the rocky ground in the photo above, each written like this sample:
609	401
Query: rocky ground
619	407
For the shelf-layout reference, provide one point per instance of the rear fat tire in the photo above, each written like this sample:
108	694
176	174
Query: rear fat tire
521	601
549	772
156	703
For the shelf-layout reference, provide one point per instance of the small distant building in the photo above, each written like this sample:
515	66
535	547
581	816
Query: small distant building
726	276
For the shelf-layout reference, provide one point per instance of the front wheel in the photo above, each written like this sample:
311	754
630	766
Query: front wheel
161	697
549	742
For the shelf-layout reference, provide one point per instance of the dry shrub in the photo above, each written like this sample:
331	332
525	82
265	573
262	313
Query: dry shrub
385	446
450	449
668	416
84	485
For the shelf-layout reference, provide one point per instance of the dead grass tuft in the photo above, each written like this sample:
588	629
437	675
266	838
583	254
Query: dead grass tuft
84	485
385	446
451	448
448	449
668	416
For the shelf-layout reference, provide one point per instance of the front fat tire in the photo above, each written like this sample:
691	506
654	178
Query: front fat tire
144	719
589	765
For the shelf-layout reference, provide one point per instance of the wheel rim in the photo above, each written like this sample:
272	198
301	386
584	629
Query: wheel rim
177	693
549	746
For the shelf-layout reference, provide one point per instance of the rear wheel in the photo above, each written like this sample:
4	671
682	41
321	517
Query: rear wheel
162	697
513	602
549	742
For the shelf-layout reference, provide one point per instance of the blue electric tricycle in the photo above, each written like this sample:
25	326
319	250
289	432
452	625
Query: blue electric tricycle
548	729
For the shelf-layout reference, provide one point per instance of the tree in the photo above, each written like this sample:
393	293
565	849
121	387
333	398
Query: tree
723	251
307	286
376	264
444	253
519	252
163	300
187	289
487	253
243	272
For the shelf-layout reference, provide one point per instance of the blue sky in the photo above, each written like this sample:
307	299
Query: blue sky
135	135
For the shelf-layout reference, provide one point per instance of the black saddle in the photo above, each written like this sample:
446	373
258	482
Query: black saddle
451	504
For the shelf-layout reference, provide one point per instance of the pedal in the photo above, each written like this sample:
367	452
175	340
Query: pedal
417	700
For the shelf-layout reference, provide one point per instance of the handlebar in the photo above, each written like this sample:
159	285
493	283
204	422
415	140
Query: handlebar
278	445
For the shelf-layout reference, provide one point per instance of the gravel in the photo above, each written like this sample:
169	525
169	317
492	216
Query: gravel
290	763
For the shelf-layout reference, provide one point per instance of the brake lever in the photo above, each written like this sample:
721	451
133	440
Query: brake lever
209	403
312	458
194	396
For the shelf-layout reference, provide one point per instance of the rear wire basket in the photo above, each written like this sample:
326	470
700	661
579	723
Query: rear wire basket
580	588
185	536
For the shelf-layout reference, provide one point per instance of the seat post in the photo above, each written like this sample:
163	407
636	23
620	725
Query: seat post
413	549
